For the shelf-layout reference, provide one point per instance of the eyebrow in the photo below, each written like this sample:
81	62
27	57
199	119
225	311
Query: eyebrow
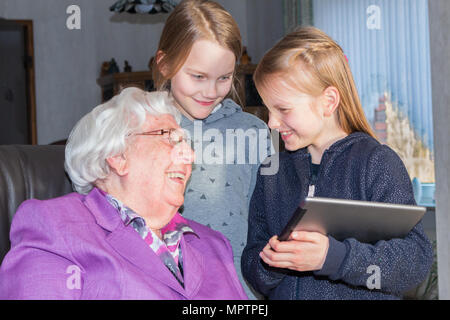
282	106
205	74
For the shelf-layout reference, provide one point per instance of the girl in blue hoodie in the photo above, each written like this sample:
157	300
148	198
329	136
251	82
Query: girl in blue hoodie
306	83
196	61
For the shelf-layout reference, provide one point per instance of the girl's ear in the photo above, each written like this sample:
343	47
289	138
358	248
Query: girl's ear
163	69
118	164
331	100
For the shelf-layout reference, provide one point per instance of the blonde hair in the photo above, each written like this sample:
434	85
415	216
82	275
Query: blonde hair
310	61
193	20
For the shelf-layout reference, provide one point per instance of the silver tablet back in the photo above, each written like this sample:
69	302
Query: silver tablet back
363	220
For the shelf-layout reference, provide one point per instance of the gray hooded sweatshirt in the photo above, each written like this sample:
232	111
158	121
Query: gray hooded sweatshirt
229	147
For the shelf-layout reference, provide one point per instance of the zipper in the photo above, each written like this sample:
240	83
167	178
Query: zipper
314	188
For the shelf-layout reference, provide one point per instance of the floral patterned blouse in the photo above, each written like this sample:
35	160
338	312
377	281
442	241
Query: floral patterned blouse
168	249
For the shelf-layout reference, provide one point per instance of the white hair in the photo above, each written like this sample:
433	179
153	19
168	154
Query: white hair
102	133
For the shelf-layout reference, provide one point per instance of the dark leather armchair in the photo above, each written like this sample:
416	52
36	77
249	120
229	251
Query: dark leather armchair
27	172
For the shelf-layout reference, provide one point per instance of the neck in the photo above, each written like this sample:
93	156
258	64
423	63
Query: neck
154	213
318	148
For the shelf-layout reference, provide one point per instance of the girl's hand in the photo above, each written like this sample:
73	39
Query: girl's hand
304	251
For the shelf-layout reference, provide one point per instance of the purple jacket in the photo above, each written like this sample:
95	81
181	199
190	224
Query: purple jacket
77	247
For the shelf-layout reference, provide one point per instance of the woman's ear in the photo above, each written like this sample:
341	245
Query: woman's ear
162	68
118	164
331	100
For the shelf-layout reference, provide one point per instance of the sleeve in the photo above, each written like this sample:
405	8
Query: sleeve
38	265
401	263
262	277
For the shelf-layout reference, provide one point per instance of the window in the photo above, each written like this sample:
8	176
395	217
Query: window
387	44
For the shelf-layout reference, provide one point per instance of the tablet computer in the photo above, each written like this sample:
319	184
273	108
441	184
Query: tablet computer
365	221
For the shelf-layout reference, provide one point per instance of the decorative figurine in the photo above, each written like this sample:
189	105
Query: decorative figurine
127	67
105	68
113	67
245	58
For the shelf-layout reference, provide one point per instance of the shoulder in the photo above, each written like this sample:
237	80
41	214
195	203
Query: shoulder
363	148
48	217
41	224
374	151
384	162
357	143
387	179
49	209
39	254
367	153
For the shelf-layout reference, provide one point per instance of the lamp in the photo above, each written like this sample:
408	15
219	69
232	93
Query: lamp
144	6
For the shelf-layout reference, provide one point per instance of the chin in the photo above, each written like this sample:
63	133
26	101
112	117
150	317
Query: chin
201	115
291	147
178	202
295	144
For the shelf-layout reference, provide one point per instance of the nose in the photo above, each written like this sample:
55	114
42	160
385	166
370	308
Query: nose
210	90
182	153
273	123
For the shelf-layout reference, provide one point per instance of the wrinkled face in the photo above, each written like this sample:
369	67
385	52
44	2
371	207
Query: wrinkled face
204	80
296	115
158	171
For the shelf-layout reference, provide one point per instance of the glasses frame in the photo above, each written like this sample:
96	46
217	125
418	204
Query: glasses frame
161	132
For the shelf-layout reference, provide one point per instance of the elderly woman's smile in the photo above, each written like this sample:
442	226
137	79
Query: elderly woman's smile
178	177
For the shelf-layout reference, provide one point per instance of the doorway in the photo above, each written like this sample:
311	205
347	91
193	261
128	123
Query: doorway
17	87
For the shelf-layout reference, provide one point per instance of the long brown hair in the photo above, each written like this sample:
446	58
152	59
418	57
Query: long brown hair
193	20
310	61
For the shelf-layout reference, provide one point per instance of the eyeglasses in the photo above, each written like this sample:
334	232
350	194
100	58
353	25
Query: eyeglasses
176	136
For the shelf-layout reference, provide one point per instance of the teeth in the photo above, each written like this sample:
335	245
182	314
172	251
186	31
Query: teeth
286	133
173	175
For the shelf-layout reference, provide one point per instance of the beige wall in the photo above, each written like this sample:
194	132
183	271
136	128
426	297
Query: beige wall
67	62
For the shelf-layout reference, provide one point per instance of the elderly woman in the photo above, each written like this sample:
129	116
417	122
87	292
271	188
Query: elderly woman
120	236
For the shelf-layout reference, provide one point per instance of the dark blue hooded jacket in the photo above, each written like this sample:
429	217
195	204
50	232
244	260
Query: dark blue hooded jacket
357	167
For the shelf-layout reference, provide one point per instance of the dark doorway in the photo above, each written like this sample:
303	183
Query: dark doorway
17	91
